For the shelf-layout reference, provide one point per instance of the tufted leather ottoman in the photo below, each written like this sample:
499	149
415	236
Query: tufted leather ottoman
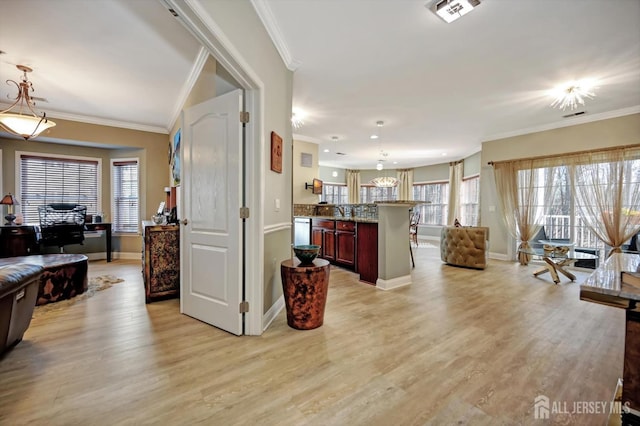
64	275
465	246
18	292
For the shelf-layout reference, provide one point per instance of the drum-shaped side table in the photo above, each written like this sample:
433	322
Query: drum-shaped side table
305	292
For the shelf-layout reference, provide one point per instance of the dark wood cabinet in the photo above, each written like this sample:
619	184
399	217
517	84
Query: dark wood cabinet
18	240
345	243
348	243
161	261
367	252
323	234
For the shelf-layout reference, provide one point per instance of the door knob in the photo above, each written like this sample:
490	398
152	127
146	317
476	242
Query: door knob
185	221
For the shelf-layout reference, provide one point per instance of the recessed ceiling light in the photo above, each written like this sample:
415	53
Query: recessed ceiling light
326	150
373	137
395	162
444	154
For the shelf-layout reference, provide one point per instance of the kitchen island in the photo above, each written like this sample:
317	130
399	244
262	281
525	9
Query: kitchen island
370	239
605	287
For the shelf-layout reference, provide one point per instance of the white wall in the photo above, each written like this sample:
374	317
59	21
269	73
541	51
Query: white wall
302	175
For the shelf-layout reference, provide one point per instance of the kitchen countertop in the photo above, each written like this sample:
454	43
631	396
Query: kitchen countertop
604	285
345	218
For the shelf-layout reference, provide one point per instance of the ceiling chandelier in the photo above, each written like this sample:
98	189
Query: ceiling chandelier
28	124
297	119
571	94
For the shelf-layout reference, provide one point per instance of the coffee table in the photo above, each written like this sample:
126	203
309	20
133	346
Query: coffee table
557	260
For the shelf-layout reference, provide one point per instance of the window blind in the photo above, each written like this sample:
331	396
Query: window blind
126	211
45	180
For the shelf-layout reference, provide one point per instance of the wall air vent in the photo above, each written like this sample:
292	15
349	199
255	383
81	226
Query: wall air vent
574	114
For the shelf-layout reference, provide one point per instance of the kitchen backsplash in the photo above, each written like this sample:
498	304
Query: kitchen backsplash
367	211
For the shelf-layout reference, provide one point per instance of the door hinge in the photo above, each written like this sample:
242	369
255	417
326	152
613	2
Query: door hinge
244	307
244	117
244	212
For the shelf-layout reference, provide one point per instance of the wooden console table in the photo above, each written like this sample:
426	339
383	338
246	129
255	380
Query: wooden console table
102	226
604	287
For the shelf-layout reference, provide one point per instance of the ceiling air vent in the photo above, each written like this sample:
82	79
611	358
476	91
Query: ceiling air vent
340	153
574	114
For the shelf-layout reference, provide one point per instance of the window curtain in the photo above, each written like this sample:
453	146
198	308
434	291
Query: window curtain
405	184
524	193
456	169
606	187
353	186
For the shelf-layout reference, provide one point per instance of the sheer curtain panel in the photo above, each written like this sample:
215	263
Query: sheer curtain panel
353	186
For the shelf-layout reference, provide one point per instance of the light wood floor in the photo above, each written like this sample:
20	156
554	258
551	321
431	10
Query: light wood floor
458	346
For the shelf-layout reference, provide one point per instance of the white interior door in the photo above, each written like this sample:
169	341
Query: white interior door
211	231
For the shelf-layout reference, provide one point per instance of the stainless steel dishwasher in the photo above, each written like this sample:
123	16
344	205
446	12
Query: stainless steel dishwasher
301	231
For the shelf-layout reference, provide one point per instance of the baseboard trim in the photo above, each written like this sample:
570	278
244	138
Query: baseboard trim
393	282
272	313
498	256
114	256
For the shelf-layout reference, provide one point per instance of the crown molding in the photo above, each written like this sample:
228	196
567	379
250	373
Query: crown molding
271	25
190	82
303	138
568	123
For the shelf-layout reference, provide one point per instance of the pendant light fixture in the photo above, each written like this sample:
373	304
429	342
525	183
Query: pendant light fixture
382	181
21	118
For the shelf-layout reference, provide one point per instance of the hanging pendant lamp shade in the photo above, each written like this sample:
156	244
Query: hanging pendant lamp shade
21	118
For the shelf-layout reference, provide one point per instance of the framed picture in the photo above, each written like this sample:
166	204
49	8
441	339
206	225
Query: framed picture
175	161
276	152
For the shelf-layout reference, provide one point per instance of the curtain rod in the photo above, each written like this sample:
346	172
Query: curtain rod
568	154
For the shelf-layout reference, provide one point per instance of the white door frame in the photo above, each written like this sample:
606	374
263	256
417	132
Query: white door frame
207	32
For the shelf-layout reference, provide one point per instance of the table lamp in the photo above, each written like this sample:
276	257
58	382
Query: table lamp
10	201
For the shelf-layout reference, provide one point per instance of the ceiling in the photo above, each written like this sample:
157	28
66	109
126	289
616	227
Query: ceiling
444	88
441	89
116	62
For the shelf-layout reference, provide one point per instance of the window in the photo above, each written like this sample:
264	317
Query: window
562	220
436	194
371	193
48	178
469	199
334	193
126	198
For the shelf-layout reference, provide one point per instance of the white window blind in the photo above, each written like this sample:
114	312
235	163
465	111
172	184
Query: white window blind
469	201
335	193
45	180
126	199
437	194
371	193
